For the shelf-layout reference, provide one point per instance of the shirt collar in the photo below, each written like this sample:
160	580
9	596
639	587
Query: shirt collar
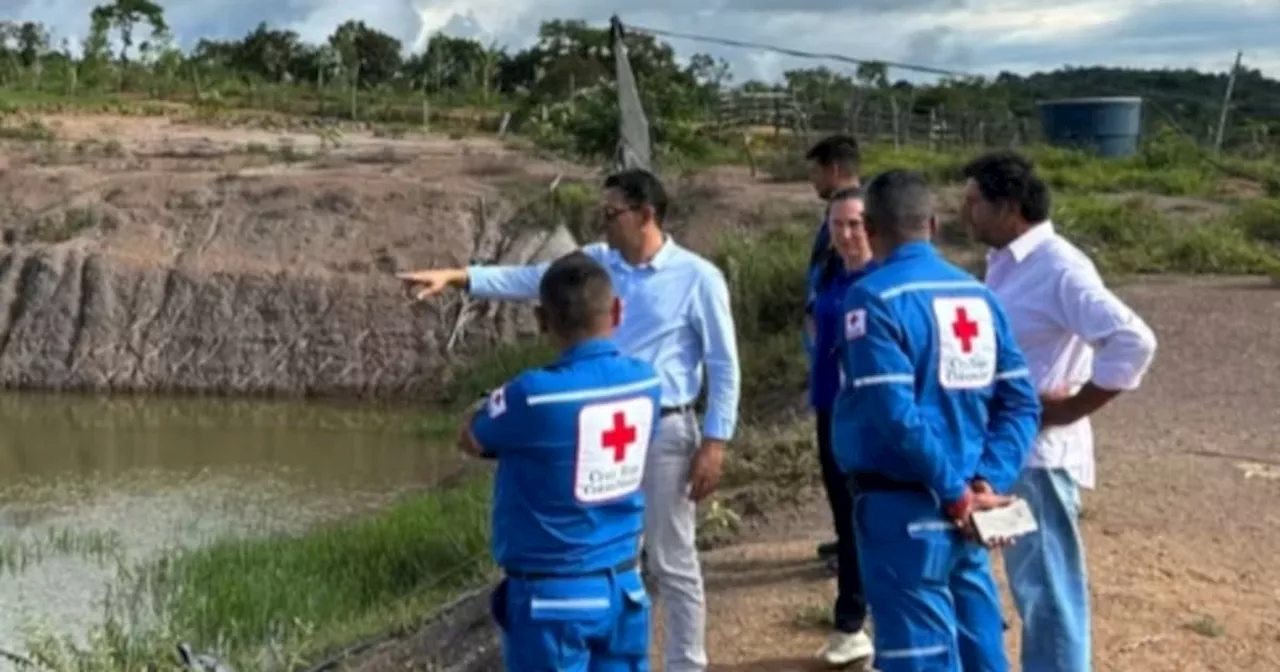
660	259
1032	238
593	347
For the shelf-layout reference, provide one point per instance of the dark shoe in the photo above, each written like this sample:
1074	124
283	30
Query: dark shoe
828	549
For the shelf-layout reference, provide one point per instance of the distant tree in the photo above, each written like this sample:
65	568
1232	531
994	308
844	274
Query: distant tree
372	54
33	43
124	16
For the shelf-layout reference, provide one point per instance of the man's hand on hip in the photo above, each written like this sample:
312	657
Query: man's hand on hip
422	285
704	472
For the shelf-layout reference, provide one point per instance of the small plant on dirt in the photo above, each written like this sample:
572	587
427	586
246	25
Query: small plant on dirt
814	616
63	226
1207	626
719	519
330	136
33	130
287	152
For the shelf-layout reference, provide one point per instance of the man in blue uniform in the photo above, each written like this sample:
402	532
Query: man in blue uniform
936	417
571	440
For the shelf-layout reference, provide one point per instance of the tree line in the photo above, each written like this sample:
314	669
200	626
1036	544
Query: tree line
561	86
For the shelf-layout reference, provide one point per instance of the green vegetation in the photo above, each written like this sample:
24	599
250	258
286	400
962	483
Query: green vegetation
280	601
337	584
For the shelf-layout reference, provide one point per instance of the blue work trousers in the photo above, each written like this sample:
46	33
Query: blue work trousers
1048	577
934	600
596	623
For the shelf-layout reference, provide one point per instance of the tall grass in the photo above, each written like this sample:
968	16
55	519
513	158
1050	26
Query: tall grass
270	602
1132	236
242	594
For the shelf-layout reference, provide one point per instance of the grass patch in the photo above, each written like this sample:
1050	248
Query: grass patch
767	289
241	592
815	616
1164	165
1207	626
16	556
265	603
1132	236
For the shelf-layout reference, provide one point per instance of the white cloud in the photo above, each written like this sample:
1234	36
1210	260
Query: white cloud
973	35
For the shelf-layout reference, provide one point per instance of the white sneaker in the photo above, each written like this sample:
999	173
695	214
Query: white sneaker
844	648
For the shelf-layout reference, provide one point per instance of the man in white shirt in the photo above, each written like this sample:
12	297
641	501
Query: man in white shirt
1084	347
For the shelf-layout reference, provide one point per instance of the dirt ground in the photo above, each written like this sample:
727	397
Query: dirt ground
1182	532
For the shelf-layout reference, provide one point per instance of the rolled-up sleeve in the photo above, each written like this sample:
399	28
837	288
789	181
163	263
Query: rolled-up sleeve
1123	344
713	317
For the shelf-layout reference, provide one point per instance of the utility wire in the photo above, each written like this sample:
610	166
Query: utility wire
814	55
797	52
827	56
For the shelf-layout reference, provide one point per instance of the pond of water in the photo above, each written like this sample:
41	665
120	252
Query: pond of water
88	484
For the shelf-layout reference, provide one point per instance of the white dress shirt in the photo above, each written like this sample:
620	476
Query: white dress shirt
1072	330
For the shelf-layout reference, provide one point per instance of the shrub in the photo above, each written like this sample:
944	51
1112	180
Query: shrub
1259	220
1131	236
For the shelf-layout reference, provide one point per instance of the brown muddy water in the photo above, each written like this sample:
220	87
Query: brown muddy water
90	485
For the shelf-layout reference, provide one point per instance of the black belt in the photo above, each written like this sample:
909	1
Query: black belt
866	481
675	410
624	566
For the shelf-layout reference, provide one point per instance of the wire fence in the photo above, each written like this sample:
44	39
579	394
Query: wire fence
865	104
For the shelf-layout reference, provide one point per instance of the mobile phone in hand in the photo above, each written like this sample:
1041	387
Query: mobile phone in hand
1007	522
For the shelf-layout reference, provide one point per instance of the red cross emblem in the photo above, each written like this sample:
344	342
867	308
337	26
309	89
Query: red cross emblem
964	329
619	437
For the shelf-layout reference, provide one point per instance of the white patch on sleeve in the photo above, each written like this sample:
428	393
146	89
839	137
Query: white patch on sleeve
497	402
855	324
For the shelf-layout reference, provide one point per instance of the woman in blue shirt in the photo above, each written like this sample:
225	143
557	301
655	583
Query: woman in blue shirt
828	283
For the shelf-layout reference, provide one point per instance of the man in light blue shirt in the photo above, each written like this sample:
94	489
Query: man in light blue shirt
676	315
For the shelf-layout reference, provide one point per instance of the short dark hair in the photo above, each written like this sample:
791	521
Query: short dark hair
845	194
898	205
839	150
1008	177
640	188
575	293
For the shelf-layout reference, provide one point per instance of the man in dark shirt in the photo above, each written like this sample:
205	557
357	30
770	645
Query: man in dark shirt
833	167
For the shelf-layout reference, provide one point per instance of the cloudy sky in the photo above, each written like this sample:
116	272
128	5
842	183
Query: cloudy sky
980	36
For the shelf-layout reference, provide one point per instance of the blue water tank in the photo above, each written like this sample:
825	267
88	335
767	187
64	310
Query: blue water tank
1106	126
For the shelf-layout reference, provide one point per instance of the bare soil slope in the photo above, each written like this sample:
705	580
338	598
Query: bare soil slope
149	254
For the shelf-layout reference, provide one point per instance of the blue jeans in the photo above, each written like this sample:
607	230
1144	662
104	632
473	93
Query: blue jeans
1048	578
594	623
930	591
